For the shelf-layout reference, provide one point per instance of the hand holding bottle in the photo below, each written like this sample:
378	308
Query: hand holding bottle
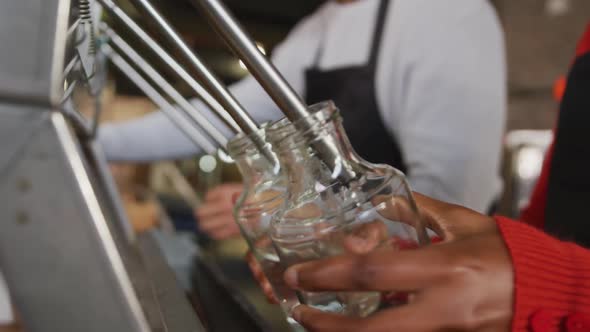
215	216
464	283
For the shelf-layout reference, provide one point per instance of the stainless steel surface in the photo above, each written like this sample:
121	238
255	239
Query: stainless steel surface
33	36
81	124
127	21
190	110
172	113
86	49
77	78
69	256
69	68
68	266
268	76
113	199
73	29
56	250
180	318
225	261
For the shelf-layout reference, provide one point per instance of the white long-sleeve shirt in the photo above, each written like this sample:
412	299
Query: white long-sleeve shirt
440	84
6	314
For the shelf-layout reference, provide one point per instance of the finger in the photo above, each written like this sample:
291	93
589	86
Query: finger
213	209
263	242
433	213
261	278
251	212
235	197
224	191
224	233
215	193
382	270
407	318
452	221
366	238
397	208
220	228
441	217
403	210
269	294
255	268
216	222
266	287
315	320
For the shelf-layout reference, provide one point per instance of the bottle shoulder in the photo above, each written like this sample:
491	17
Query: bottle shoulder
263	196
336	199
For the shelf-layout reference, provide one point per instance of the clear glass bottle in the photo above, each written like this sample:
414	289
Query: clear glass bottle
263	195
356	207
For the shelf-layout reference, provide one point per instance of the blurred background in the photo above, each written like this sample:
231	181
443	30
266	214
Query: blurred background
541	37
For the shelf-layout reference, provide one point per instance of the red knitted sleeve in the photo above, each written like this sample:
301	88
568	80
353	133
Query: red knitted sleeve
552	280
584	44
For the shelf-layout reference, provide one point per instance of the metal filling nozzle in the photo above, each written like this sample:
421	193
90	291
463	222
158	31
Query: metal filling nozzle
218	98
267	75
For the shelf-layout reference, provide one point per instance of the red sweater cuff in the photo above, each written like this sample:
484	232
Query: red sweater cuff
552	279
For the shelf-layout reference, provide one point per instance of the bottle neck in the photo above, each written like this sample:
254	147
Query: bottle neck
306	173
300	168
254	165
348	165
327	133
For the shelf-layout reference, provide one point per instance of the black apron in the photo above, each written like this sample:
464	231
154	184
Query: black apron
568	194
353	90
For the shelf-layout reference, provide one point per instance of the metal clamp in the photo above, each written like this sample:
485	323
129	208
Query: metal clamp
85	69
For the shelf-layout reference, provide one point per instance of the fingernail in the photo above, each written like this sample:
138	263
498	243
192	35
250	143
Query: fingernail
292	278
296	313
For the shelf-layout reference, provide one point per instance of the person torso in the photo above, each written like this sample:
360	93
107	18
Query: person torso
353	88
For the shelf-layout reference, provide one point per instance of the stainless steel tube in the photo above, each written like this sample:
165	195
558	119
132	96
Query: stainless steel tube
172	113
267	75
161	82
205	76
168	60
238	117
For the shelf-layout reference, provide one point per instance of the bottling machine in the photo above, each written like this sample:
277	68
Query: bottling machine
67	251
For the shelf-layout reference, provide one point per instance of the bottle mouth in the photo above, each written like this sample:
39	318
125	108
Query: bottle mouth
278	130
286	135
319	123
322	112
242	143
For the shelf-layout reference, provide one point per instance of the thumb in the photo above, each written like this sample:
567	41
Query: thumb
234	197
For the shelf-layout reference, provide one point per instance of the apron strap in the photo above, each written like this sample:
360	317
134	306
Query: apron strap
375	44
319	54
378	34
